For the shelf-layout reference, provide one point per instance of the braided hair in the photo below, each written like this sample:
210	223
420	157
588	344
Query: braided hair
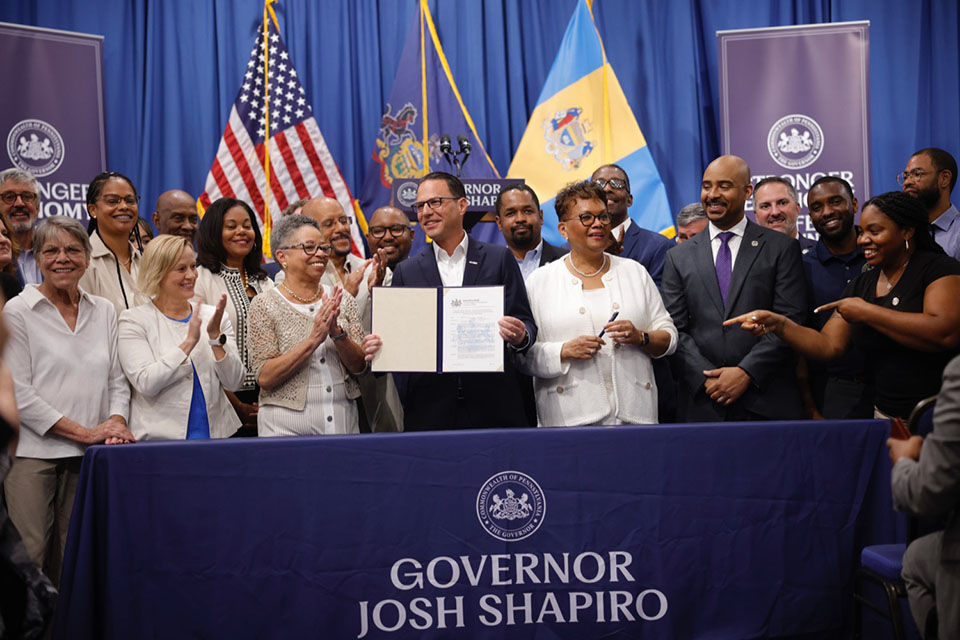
93	192
907	212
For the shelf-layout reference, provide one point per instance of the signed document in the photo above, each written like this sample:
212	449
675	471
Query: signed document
471	336
406	320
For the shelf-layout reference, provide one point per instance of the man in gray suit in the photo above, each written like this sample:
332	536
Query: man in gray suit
730	268
926	483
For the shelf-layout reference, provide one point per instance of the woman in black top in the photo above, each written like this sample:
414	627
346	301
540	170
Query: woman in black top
904	313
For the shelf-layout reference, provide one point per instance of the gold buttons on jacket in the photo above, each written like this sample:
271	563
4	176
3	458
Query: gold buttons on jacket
560	389
615	306
646	386
582	310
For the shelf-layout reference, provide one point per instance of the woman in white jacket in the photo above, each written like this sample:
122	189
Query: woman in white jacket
178	381
600	320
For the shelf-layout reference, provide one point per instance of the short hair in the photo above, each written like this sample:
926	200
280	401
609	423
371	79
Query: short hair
516	186
626	176
453	182
778	180
690	213
827	179
210	251
49	227
291	209
23	177
585	189
907	212
284	228
942	161
158	258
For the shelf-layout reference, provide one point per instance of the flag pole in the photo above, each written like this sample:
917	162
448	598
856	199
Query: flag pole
267	10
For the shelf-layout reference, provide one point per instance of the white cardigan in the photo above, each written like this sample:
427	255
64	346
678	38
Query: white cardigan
162	378
572	392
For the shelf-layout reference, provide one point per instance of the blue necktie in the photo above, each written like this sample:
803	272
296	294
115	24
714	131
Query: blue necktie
724	265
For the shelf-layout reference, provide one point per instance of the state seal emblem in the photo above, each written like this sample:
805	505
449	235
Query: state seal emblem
399	153
566	136
35	146
795	141
511	506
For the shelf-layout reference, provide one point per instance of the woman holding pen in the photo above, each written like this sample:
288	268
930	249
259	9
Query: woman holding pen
902	313
600	321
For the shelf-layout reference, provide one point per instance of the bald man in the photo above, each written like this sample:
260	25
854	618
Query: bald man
176	214
732	267
390	230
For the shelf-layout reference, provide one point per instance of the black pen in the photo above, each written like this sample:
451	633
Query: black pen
612	318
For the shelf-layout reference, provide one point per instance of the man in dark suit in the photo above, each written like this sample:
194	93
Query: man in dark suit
519	218
730	268
926	483
464	400
630	240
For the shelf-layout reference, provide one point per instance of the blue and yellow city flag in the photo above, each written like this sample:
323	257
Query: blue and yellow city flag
583	121
424	104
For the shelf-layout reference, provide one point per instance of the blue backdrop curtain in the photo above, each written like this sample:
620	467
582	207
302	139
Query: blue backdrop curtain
173	67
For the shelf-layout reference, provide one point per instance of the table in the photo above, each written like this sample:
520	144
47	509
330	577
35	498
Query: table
740	530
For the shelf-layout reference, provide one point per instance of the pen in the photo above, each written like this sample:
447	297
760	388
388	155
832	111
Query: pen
612	318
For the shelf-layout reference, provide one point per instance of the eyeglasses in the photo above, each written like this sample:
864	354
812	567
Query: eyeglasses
916	174
112	200
347	220
9	197
396	230
71	251
310	248
433	204
586	219
616	183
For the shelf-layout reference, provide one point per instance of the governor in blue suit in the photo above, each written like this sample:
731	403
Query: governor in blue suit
463	400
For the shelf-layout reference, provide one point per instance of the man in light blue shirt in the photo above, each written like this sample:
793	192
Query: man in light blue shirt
519	219
930	177
19	205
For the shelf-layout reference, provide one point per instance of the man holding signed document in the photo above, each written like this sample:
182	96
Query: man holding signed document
475	382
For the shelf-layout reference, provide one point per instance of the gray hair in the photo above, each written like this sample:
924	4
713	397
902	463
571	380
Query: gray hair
21	177
284	228
690	213
48	228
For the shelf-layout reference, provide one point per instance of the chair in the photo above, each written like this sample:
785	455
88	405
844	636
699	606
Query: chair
882	563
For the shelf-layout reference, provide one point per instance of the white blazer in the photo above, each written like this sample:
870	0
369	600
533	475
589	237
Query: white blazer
162	377
572	392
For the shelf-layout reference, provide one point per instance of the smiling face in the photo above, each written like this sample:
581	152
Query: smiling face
237	235
618	199
831	211
445	223
6	246
519	219
585	239
776	208
395	248
724	190
116	208
299	264
177	215
20	214
178	283
63	261
883	242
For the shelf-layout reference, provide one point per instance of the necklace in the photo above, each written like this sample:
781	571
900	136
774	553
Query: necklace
243	279
886	282
303	300
603	264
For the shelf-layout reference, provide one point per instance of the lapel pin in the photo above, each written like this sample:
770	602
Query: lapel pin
754	243
896	301
472	261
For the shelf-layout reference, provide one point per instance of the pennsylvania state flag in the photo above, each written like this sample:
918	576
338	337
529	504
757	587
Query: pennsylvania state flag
582	121
424	104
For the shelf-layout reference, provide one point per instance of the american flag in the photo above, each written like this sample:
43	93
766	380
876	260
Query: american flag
300	165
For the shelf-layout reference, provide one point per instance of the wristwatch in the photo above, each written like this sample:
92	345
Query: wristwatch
644	338
341	335
218	341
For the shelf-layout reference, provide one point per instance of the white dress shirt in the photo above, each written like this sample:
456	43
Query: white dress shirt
452	267
733	243
62	373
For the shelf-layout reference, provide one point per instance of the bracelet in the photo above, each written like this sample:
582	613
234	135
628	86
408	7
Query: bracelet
339	336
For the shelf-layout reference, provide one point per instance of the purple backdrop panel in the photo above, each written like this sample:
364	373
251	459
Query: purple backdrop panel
794	103
53	128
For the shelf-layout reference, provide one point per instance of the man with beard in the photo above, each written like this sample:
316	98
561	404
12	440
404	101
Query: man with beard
519	219
629	239
176	214
839	389
732	267
19	205
390	230
930	176
776	206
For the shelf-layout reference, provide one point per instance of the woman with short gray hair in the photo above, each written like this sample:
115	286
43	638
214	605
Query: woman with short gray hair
302	349
71	391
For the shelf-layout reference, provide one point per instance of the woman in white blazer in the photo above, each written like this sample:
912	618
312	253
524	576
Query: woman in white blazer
600	320
178	377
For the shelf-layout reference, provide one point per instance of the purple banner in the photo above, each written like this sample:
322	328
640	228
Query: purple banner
53	127
794	102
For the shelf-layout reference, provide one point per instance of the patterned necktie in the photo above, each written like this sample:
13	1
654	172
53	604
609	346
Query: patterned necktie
724	265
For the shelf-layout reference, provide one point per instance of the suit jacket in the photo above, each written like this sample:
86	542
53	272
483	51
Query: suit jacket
468	400
930	487
647	248
768	274
549	253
